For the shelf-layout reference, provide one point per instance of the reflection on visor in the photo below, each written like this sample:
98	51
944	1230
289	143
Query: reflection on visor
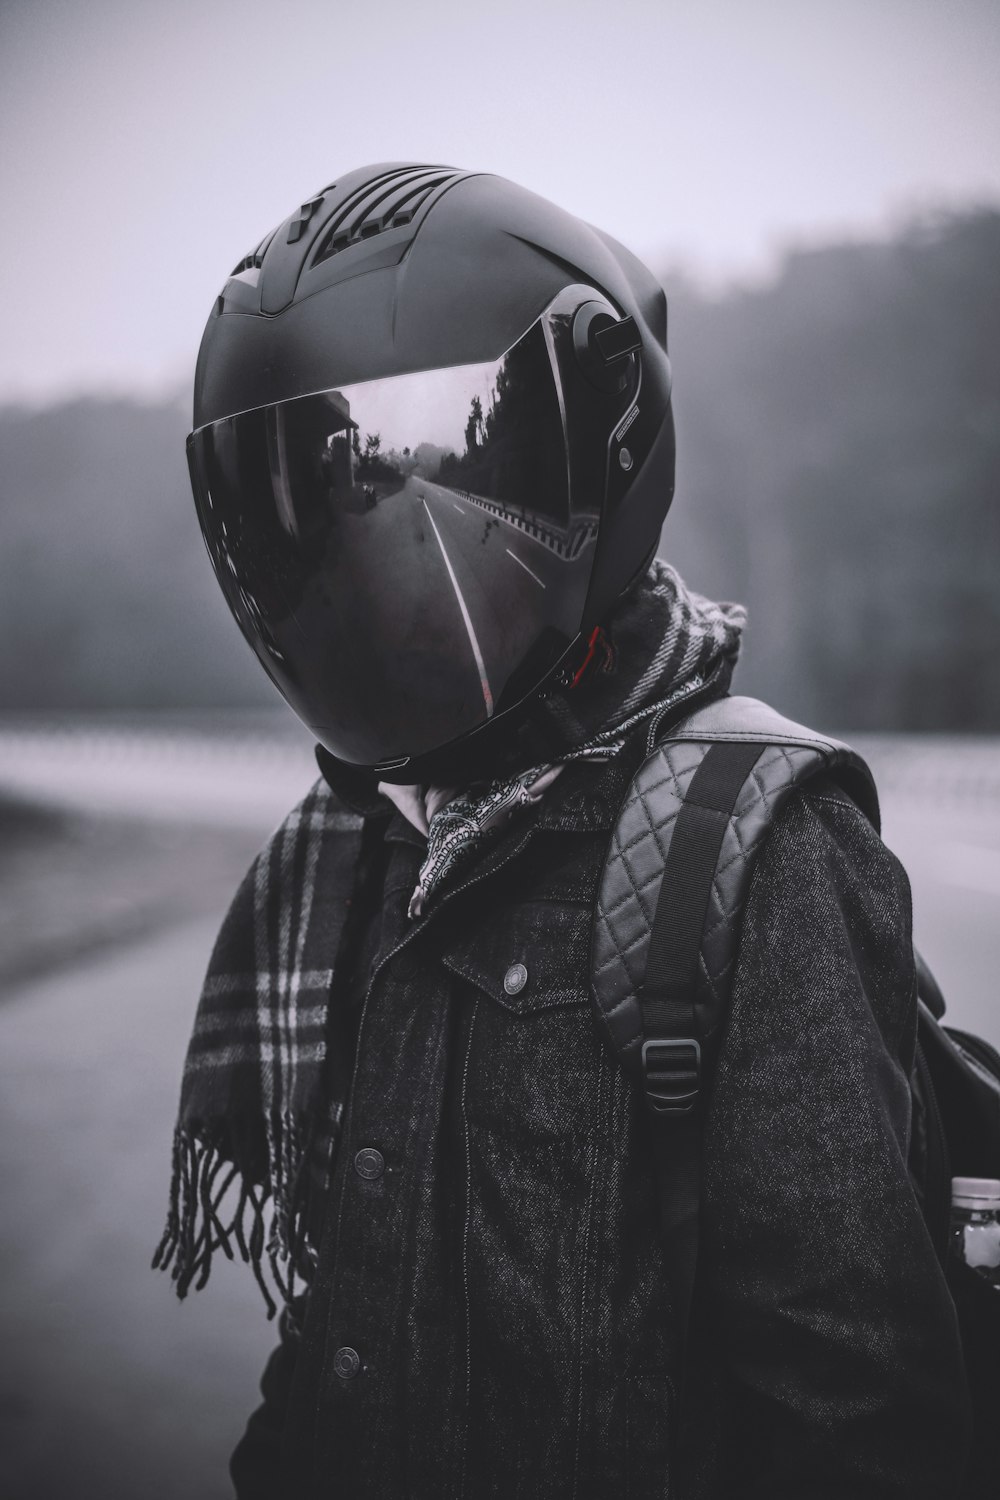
492	431
408	556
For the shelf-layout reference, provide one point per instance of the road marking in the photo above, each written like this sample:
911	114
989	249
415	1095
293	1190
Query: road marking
971	866
459	508
524	565
480	664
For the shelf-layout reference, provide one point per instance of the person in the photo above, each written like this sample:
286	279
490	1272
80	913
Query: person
396	1104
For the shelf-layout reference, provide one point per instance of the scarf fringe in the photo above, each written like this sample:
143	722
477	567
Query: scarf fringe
267	1225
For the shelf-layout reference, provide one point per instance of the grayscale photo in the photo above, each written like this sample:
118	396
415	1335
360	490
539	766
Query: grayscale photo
500	751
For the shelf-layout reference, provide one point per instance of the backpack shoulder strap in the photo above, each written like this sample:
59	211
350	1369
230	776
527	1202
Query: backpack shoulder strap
691	825
668	919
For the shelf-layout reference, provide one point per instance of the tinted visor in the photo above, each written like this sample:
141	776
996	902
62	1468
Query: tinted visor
409	556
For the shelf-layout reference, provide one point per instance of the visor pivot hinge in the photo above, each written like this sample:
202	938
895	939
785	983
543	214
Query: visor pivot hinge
605	347
617	339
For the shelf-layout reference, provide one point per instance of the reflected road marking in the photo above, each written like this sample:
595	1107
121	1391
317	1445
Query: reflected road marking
480	664
524	565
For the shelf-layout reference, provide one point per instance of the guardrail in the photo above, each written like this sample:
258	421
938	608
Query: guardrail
242	774
933	770
251	737
565	544
943	770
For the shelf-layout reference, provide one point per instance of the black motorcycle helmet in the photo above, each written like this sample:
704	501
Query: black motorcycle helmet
432	447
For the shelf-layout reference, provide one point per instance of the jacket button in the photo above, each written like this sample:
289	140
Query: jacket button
346	1362
369	1163
515	979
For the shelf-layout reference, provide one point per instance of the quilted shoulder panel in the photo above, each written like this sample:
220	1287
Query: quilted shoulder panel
640	844
739	718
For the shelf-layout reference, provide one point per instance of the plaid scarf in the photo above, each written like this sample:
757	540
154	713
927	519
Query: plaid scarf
266	1075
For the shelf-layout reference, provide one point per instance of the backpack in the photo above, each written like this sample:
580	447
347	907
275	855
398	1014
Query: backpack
664	947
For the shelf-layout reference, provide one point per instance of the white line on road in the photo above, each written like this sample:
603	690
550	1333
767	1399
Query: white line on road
459	508
524	565
480	664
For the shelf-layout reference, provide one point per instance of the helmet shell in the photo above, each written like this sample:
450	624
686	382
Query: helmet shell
403	267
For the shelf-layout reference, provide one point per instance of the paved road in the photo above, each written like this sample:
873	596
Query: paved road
109	1389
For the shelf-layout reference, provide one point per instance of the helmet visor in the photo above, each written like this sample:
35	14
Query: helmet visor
408	556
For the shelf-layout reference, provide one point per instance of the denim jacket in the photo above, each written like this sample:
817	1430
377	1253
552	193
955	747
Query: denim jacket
489	1317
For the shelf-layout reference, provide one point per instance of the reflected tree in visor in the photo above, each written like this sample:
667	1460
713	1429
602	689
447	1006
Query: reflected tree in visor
410	556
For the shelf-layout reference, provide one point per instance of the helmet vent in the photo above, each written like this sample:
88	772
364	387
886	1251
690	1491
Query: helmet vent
255	259
388	203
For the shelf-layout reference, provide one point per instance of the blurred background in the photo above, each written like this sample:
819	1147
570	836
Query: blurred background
818	186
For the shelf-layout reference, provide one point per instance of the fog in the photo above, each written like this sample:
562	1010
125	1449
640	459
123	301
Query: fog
818	188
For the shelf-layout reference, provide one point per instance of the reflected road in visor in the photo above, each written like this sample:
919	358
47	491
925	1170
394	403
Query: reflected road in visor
404	555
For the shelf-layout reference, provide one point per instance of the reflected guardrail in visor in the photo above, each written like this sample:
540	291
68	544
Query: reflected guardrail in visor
566	544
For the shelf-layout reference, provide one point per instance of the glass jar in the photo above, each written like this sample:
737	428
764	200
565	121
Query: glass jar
975	1225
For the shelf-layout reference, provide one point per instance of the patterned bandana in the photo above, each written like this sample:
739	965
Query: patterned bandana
268	1064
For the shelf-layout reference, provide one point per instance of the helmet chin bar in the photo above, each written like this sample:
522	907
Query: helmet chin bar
476	755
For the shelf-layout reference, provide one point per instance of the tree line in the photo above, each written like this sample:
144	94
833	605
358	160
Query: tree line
838	470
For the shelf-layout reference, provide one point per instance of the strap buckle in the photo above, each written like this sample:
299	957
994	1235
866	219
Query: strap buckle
671	1070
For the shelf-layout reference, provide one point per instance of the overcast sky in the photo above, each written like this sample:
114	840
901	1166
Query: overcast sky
146	147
